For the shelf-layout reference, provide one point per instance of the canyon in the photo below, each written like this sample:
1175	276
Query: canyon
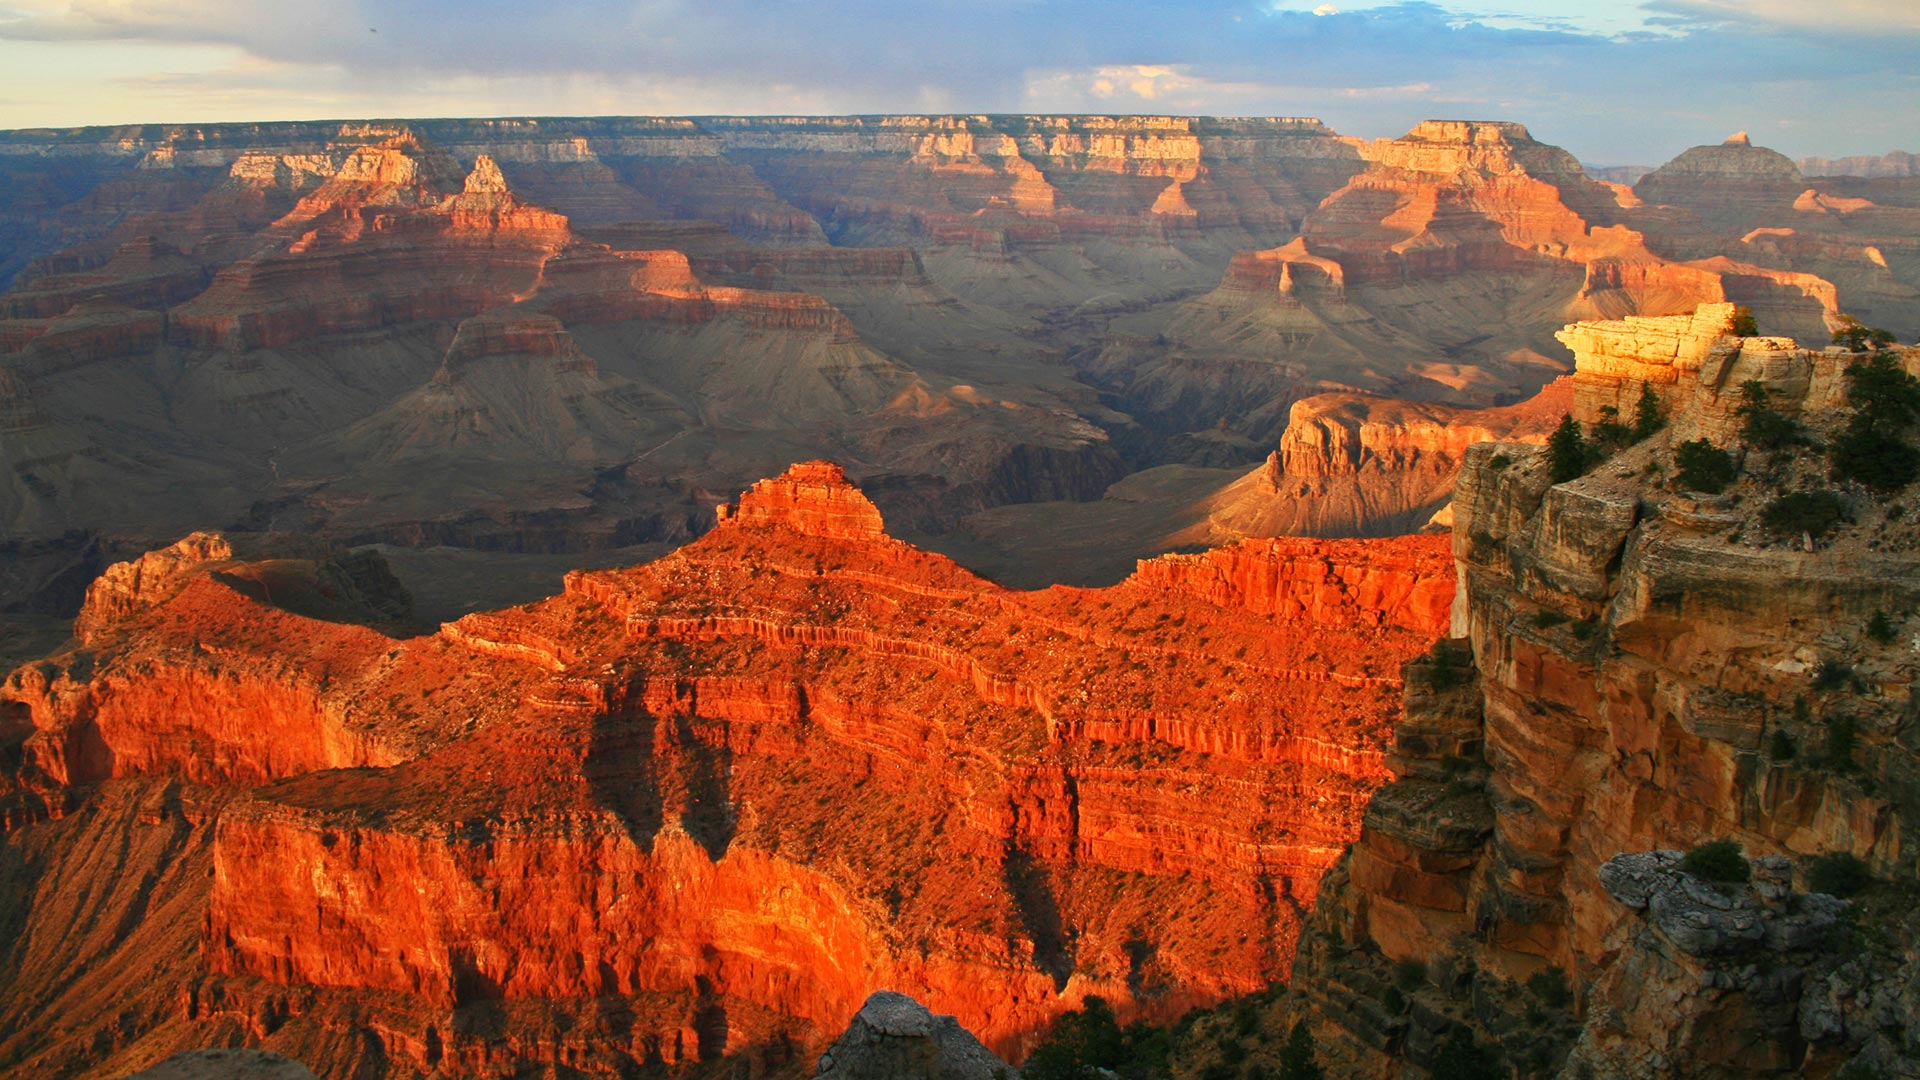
685	812
508	340
420	654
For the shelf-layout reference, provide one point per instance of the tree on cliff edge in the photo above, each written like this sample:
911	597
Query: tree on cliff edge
1567	450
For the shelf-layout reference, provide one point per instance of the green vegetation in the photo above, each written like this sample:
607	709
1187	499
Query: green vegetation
1780	747
1704	467
1647	417
1841	735
1719	861
1089	1039
1610	434
1831	674
1409	974
1297	1061
1857	337
1742	324
1880	628
1838	874
1500	461
1761	425
1886	404
1551	987
1461	1058
1812	513
1566	450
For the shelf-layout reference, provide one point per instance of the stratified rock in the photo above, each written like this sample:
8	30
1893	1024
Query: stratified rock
894	1037
1623	682
736	789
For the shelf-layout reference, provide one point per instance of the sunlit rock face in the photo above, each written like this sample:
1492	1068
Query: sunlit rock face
1622	676
709	804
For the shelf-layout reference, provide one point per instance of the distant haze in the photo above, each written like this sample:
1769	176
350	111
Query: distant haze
1617	84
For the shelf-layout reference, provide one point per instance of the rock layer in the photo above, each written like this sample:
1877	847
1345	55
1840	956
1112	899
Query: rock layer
1623	679
707	805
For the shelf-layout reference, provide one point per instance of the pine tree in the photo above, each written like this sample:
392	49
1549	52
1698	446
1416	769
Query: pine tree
1646	413
1567	450
1296	1057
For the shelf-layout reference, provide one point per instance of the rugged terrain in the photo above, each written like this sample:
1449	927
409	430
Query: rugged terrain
540	337
688	813
1639	669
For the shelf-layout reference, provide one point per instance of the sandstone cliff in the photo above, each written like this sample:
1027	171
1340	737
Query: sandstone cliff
1624	678
705	806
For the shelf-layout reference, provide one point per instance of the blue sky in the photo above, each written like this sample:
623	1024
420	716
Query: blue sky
1616	83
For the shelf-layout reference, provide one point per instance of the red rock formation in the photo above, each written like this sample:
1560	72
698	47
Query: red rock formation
757	779
1357	465
1624	678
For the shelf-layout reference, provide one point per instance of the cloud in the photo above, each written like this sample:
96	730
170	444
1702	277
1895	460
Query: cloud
1841	16
1636	83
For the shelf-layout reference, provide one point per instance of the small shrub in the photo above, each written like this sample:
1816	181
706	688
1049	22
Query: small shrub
1610	434
1703	466
1881	461
1838	874
1780	747
1831	674
1393	1001
1409	975
1461	1058
1802	710
1551	987
1547	618
1860	1070
1857	337
1896	511
1813	513
1880	628
1841	735
1499	461
1761	425
1720	861
1743	324
1297	1060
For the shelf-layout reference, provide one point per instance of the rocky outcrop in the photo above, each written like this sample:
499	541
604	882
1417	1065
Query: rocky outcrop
894	1036
1685	988
1726	184
813	499
1624	678
1893	163
708	805
1355	465
1393	582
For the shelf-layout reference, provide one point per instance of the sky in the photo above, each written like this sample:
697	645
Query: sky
1616	83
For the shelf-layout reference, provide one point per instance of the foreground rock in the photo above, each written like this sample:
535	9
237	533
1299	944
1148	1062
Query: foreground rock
894	1037
1636	668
